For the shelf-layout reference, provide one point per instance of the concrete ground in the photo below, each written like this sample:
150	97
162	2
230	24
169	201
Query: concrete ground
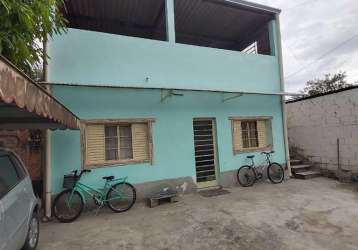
298	214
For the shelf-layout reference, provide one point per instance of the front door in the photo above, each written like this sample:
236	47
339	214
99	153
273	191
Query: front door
205	152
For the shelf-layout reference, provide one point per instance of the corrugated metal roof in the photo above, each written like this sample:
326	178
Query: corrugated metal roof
143	18
207	23
250	6
303	98
226	24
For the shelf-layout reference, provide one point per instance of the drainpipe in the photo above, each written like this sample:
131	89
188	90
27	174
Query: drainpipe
283	101
47	144
48	175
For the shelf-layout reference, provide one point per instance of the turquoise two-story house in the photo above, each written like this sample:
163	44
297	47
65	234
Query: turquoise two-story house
170	92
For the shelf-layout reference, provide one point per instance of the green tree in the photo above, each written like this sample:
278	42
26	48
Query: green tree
24	24
329	83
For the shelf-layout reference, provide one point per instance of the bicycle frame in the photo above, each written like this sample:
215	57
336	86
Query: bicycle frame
259	170
83	189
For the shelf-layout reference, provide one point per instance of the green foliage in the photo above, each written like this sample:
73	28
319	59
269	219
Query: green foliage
329	83
23	26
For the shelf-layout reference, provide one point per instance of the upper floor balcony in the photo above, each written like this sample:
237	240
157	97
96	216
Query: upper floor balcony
226	45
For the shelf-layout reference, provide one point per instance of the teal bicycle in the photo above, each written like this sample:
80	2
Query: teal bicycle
117	194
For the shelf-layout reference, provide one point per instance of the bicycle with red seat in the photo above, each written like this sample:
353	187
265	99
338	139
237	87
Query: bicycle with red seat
247	175
117	194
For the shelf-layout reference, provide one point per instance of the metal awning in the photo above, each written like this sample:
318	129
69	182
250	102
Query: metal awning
24	104
242	92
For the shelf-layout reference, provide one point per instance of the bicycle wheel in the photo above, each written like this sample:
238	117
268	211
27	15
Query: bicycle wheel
67	206
121	197
275	173
246	176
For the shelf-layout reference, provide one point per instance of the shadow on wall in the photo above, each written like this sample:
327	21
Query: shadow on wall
296	152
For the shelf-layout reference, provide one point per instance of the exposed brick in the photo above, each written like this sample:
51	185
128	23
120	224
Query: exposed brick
18	141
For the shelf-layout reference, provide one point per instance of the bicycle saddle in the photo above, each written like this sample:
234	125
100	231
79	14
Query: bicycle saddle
250	156
267	153
108	178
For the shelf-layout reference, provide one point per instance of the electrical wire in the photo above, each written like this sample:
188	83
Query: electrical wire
323	55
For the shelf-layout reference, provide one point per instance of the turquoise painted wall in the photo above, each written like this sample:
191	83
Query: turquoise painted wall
172	130
88	57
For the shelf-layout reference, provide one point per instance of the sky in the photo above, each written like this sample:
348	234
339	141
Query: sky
318	37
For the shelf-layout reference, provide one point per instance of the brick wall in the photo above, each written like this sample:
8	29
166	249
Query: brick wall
19	142
315	124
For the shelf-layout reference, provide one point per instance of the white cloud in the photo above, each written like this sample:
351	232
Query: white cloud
312	28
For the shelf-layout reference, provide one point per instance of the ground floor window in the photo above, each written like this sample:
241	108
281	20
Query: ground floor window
251	134
118	142
111	142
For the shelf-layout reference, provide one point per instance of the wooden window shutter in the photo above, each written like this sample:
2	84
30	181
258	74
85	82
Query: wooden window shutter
237	139
261	133
140	140
95	145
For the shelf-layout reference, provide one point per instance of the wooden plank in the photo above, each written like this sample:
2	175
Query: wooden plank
118	121
250	118
95	144
140	141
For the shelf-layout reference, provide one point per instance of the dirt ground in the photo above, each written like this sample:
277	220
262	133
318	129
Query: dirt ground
298	214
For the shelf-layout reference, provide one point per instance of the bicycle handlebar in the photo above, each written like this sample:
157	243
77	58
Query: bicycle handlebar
81	172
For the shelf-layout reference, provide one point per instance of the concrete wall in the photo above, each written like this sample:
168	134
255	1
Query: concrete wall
172	130
315	124
88	57
95	58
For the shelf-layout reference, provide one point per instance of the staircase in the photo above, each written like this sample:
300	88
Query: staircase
301	170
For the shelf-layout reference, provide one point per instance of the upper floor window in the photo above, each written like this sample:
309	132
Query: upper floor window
144	18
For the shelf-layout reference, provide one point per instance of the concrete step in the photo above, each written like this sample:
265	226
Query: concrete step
295	162
300	166
308	174
209	188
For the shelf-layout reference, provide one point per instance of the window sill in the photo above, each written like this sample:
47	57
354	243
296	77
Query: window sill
114	164
253	150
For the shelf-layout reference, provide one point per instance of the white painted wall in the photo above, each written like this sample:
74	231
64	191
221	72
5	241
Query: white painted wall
315	124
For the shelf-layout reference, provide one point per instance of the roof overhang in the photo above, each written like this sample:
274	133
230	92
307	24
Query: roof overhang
235	25
247	5
25	104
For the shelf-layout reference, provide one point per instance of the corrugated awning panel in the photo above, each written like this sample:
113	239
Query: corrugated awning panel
19	90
